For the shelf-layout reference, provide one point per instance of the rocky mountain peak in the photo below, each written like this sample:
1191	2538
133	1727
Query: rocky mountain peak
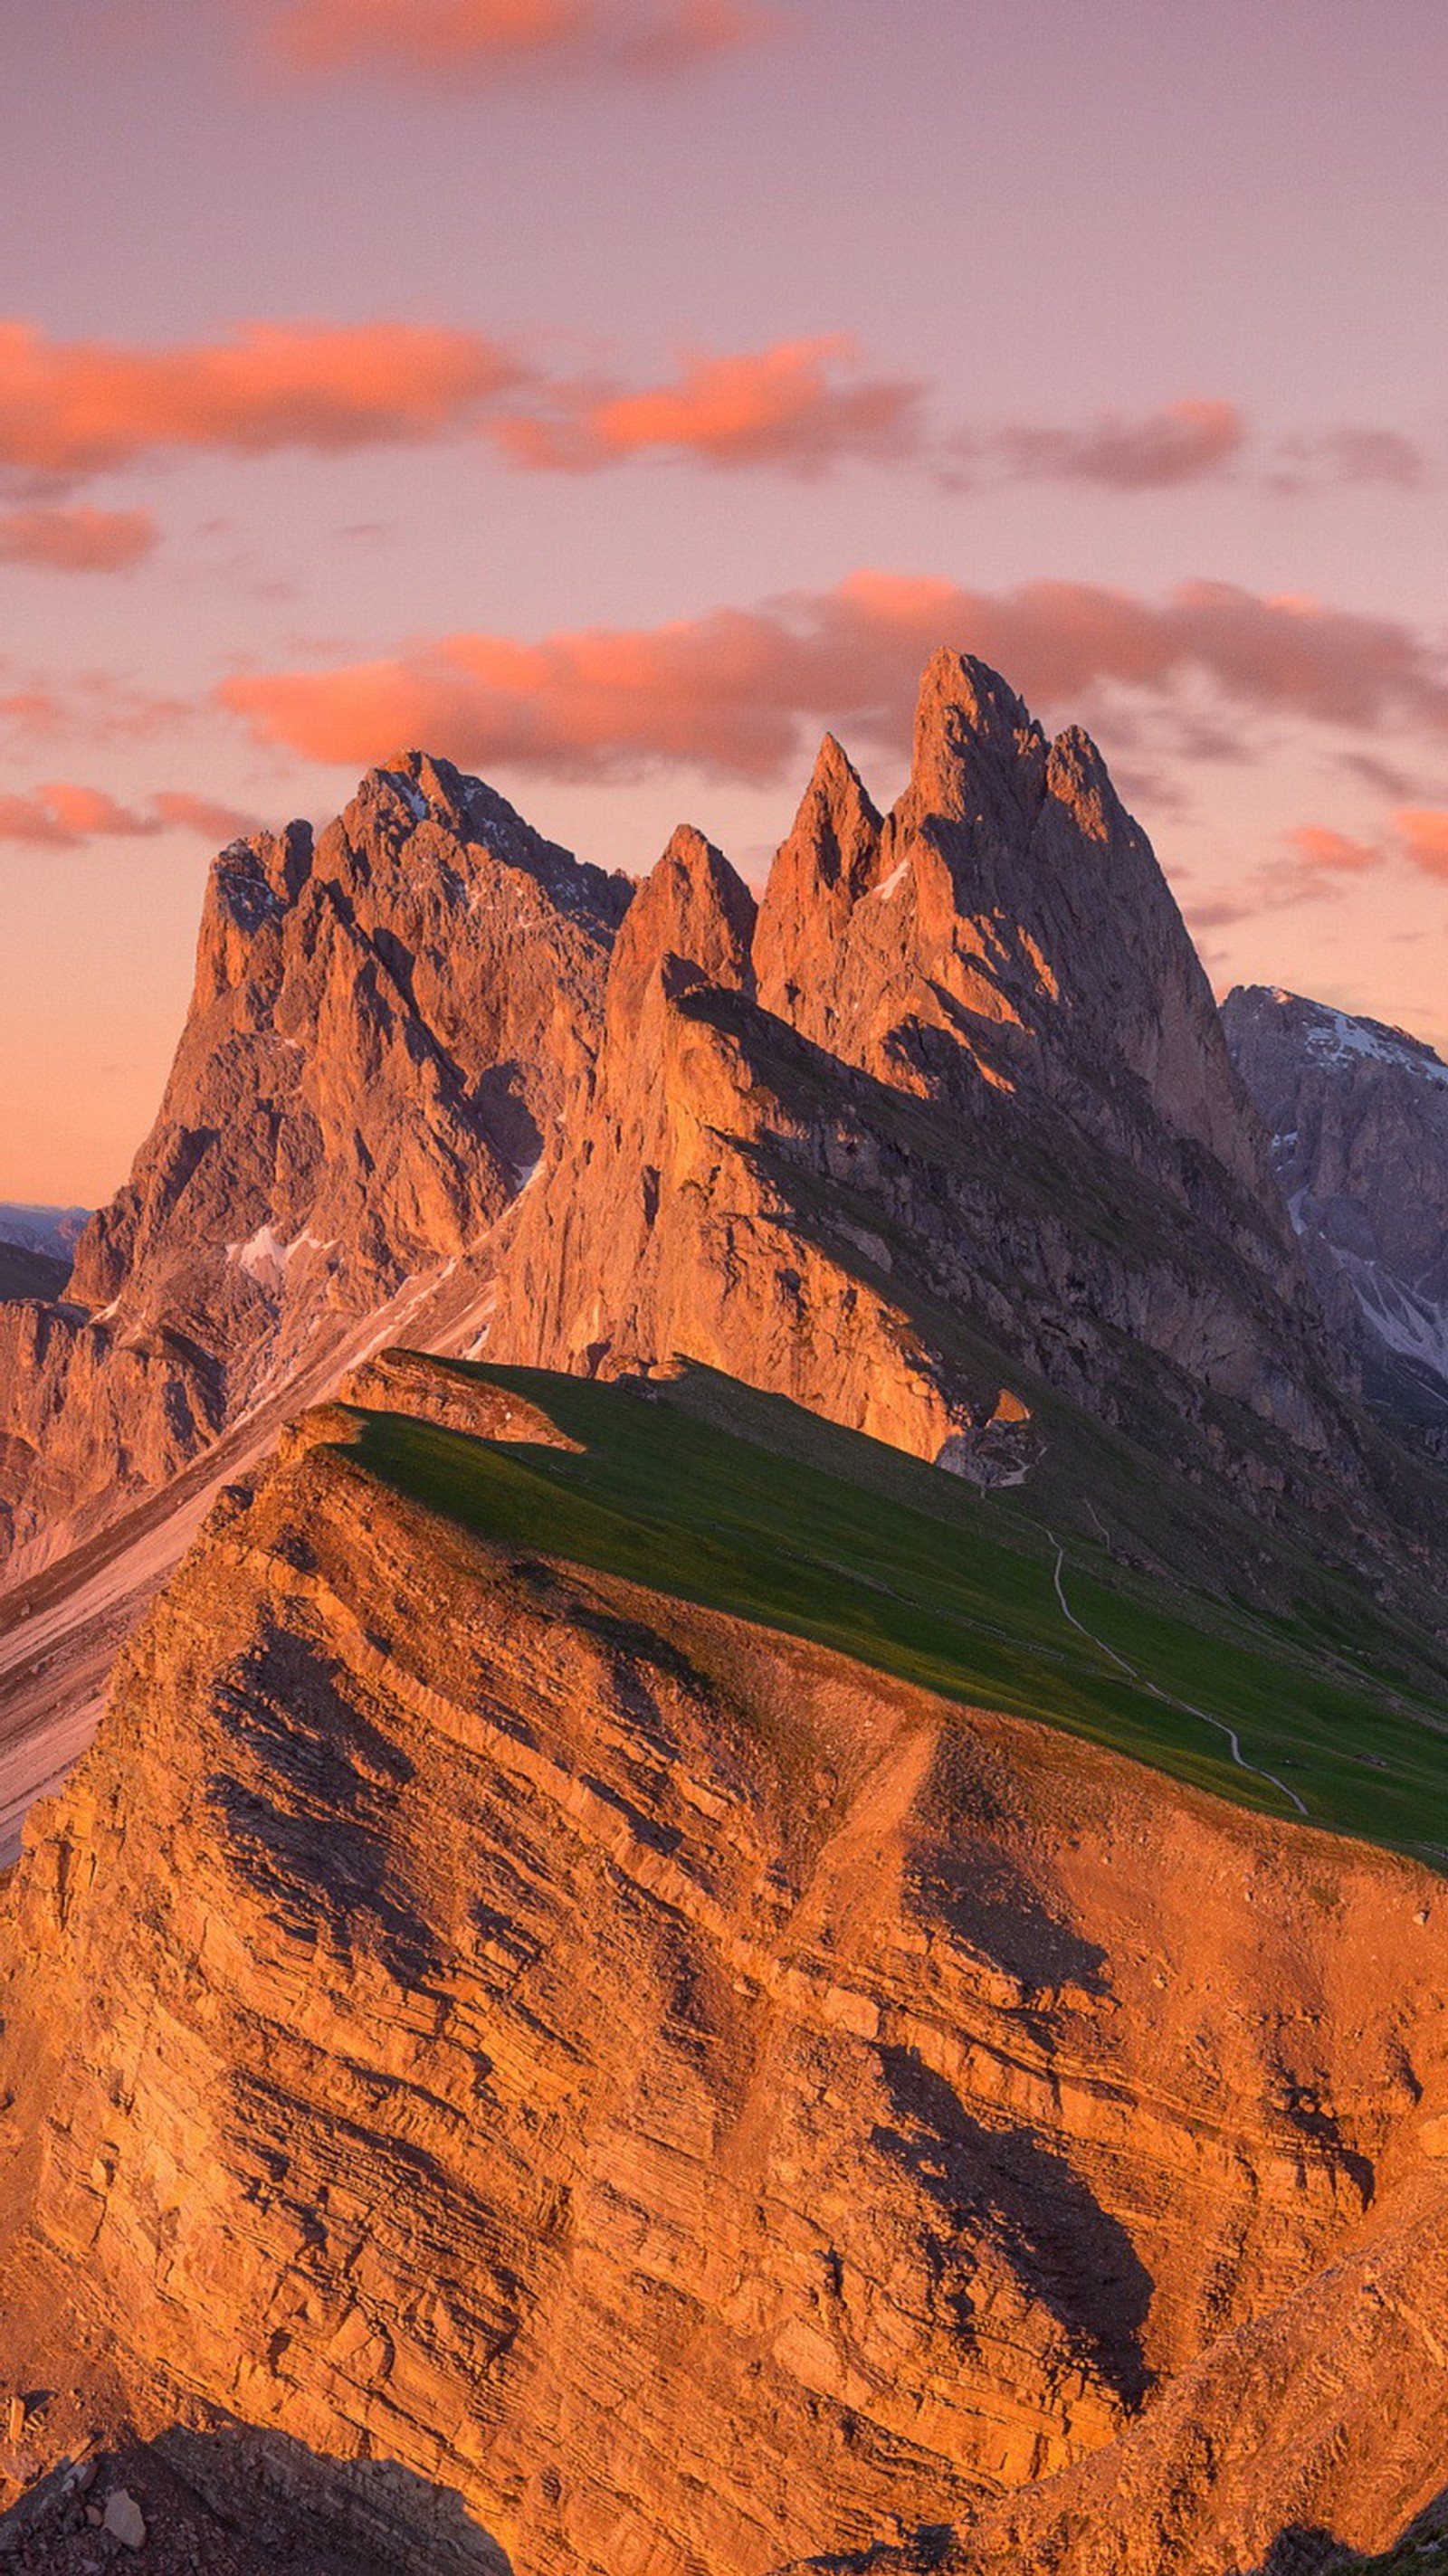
830	859
837	822
693	912
1078	778
973	737
386	1024
252	883
1009	927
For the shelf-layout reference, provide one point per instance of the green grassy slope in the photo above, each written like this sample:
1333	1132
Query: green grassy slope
826	1535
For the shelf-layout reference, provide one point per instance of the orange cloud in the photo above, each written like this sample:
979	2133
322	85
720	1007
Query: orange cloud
733	691
33	710
778	406
1183	443
1320	851
1423	831
61	814
77	540
442	40
1320	858
75	407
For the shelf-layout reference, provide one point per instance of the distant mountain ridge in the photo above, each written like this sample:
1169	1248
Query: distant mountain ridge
1358	1115
37	1245
54	1231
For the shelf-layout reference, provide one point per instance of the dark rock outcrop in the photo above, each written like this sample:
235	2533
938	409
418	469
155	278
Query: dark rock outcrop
1358	1114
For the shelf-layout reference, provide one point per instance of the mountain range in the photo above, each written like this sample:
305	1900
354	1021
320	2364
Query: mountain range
772	1900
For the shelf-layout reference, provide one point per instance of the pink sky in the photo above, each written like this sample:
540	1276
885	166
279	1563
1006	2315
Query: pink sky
614	393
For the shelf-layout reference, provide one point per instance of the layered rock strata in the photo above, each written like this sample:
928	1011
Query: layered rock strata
700	2105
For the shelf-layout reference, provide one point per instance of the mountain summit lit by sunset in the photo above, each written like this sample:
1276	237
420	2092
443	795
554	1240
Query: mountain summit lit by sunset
609	393
723	1288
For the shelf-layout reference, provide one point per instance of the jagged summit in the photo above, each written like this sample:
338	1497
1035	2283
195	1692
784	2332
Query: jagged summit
972	733
830	859
950	1115
693	909
387	1018
1007	923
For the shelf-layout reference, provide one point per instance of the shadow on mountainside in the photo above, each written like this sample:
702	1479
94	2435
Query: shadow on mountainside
307	1812
1066	2251
1300	2549
962	1879
236	2500
1307	2550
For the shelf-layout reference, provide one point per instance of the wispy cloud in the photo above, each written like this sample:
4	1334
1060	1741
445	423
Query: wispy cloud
799	407
1417	834
77	540
1345	456
735	690
180	809
71	408
1423	837
1320	863
1319	853
1185	442
74	409
62	815
91	705
445	41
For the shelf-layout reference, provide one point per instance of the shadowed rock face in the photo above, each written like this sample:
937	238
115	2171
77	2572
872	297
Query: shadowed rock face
1359	1121
382	1034
25	1272
705	2106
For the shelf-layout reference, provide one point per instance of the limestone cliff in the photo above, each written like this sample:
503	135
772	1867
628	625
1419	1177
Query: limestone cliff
698	2105
1359	1120
956	1120
383	1030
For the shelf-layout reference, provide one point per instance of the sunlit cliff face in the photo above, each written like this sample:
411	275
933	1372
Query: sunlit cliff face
680	2096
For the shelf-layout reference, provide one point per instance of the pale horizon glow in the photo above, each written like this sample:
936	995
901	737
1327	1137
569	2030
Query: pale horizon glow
614	397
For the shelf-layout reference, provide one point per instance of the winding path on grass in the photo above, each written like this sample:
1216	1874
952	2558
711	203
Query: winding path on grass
1168	1698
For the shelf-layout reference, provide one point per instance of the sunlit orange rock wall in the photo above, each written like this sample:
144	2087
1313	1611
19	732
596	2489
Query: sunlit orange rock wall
705	2103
